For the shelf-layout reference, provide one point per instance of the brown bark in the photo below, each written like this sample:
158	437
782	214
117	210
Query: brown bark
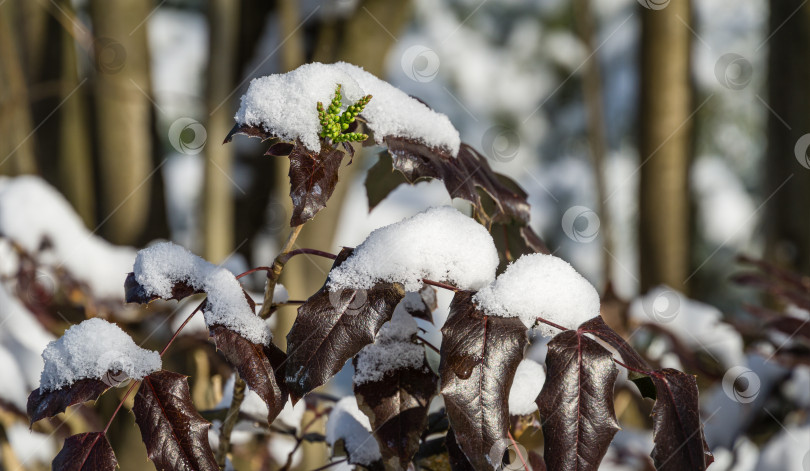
787	223
219	197
665	131
123	117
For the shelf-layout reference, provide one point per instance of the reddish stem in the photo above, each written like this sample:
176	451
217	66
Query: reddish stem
320	253
439	284
177	332
123	399
552	324
428	344
253	270
517	451
648	373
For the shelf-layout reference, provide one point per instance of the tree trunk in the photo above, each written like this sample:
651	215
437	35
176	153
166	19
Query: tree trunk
16	146
223	18
787	223
123	117
665	131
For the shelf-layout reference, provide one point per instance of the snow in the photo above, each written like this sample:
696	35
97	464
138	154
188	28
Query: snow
529	379
285	105
789	450
12	390
30	447
346	422
31	212
697	325
23	336
440	244
393	349
90	350
159	267
540	285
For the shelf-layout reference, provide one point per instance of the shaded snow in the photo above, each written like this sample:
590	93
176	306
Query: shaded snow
540	285
393	349
90	350
346	422
440	244
529	379
161	266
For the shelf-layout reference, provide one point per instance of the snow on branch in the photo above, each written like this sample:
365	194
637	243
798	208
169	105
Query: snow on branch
160	268
540	285
440	244
285	105
89	351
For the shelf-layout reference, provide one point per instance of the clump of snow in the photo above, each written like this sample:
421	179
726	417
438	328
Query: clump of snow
346	422
90	350
540	285
161	266
698	325
285	105
440	244
529	379
393	349
33	212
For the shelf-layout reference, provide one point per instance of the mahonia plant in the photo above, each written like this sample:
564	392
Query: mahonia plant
334	124
478	358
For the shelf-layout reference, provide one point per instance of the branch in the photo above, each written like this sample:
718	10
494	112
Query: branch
230	420
274	273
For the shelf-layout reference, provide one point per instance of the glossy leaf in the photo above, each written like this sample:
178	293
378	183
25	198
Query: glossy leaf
280	149
135	293
479	356
333	327
458	460
397	406
598	328
576	403
42	405
313	177
260	366
677	431
248	130
85	452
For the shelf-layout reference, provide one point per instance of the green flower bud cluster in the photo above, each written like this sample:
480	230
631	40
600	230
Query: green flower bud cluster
334	123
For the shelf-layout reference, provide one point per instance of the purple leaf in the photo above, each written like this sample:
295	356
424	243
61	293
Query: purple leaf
47	404
86	452
313	177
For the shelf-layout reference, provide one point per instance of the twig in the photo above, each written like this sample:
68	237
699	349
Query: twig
552	324
427	344
320	253
177	332
253	270
439	284
327	466
517	451
274	273
123	399
230	420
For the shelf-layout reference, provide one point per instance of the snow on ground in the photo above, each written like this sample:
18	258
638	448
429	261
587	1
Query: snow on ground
393	349
529	379
285	105
698	325
22	336
540	285
34	215
91	350
789	451
440	244
159	267
348	423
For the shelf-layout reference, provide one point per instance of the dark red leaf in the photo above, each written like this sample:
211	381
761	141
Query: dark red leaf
479	356
576	403
397	406
86	452
313	177
175	435
280	149
248	130
333	327
260	366
134	292
791	326
598	328
48	404
458	460
677	431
